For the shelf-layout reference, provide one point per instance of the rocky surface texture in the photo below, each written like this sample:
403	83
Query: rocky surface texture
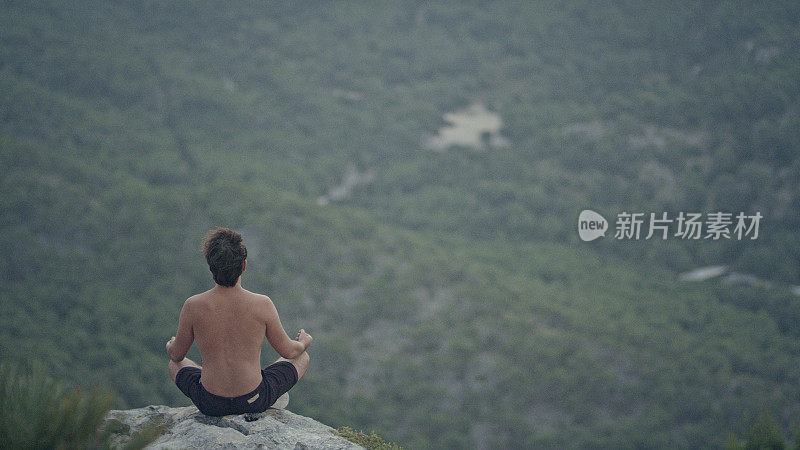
187	428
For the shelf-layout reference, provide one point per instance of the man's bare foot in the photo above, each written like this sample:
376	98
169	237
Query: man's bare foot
281	402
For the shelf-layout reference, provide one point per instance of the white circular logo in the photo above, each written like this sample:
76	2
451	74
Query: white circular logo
591	225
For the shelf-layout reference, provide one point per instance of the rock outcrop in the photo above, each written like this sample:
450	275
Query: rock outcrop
187	428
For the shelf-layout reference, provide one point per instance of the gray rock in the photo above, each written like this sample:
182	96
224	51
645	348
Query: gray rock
188	428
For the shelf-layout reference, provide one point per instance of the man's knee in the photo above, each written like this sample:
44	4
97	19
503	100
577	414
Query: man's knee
175	367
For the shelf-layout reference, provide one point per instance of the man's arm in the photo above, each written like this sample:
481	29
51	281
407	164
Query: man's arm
278	338
178	346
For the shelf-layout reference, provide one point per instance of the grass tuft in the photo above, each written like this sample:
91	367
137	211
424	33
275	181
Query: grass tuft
370	441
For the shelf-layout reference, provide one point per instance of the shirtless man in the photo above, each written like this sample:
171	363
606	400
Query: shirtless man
229	324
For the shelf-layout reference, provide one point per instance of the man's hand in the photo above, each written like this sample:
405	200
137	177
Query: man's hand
169	345
304	338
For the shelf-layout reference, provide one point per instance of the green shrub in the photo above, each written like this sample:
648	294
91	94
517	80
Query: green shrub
37	411
764	434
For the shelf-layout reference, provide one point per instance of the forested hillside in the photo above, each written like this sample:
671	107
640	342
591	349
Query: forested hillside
451	301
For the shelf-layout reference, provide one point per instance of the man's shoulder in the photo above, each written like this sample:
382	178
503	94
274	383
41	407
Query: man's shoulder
261	303
197	298
258	297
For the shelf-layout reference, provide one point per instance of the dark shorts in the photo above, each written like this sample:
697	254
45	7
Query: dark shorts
276	379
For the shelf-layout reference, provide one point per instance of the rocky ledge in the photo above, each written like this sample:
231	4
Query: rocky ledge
187	428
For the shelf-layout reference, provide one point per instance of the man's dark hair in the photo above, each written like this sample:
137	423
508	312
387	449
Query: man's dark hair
225	254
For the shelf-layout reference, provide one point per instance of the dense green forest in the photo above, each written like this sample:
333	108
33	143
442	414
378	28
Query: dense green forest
451	301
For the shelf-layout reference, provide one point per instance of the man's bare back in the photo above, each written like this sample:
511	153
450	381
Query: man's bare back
229	328
229	324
